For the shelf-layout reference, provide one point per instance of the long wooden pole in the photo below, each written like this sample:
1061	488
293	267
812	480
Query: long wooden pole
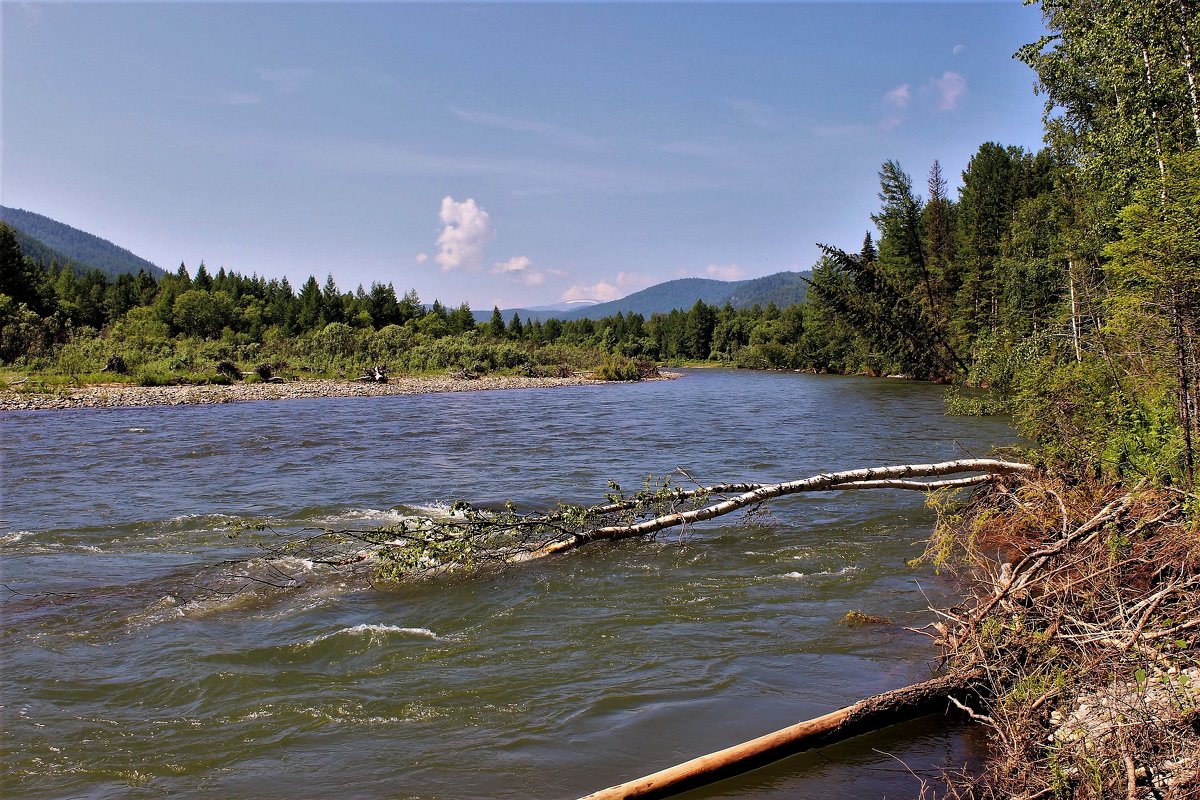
873	713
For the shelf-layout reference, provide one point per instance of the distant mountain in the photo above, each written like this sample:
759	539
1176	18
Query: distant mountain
46	240
783	289
660	299
540	313
569	305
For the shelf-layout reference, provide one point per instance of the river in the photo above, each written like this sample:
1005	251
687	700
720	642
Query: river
550	680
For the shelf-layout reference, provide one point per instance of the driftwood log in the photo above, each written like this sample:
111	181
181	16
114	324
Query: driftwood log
873	713
376	374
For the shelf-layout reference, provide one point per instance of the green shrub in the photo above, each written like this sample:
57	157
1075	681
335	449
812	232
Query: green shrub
961	403
617	368
152	376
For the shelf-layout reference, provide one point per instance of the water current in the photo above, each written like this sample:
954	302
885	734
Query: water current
120	677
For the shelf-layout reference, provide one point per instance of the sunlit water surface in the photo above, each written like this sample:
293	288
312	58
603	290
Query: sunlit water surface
549	680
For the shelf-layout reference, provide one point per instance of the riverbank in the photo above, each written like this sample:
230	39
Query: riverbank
126	395
1083	607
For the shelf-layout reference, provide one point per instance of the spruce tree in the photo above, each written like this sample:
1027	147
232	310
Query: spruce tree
496	324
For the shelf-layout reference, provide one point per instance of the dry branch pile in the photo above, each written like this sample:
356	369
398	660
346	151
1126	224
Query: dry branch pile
1085	615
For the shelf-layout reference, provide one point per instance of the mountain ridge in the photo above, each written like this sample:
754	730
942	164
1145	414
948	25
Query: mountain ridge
48	240
781	288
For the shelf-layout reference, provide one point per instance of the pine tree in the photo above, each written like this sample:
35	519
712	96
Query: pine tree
496	324
309	316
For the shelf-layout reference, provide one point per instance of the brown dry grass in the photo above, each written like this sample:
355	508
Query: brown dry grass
1083	606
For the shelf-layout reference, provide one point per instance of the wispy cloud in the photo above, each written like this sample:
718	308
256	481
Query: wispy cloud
843	131
725	272
899	97
604	290
31	13
756	115
522	270
550	132
466	232
950	88
287	80
698	149
946	93
238	99
527	176
279	82
895	105
958	49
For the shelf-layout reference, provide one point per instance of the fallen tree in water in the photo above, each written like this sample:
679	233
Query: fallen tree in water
469	537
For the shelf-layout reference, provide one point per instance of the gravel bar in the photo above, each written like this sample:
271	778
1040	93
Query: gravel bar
124	395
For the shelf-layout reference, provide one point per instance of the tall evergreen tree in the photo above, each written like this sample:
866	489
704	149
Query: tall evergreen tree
496	324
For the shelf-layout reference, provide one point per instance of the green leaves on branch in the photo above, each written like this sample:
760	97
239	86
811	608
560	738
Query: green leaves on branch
471	538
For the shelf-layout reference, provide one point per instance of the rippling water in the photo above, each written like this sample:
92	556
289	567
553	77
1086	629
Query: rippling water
121	678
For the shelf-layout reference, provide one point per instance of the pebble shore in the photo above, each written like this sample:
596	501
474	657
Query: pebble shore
124	395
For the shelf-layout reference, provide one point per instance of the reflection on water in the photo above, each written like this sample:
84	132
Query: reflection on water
122	677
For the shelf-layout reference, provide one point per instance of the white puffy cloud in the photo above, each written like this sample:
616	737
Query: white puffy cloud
950	89
603	291
466	232
422	258
521	269
958	49
725	272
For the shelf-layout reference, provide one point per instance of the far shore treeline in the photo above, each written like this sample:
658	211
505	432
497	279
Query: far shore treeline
1065	281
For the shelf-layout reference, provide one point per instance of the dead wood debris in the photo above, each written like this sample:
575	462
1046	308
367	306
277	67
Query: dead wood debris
1084	611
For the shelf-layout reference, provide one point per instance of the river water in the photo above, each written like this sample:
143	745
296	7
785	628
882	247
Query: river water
121	678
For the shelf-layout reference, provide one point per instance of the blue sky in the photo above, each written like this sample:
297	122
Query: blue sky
497	154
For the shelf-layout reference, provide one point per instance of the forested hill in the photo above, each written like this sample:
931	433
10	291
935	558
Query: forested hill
783	289
47	240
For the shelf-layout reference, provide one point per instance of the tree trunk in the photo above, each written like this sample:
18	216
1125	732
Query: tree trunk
873	713
1074	311
752	494
1185	398
1189	67
1158	147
